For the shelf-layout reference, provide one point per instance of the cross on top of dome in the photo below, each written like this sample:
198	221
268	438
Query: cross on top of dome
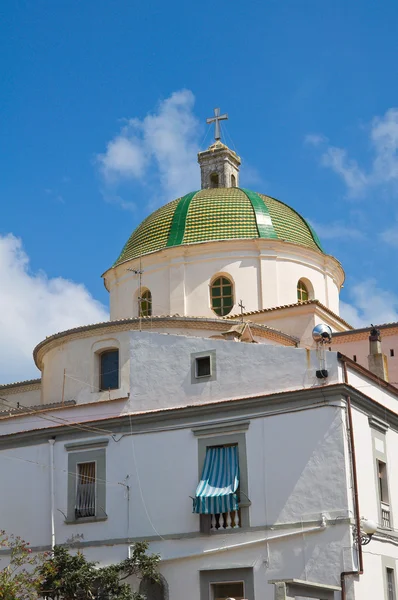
219	165
216	120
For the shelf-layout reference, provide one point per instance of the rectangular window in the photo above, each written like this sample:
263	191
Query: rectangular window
109	370
221	584
85	490
390	584
217	494
392	352
233	589
383	485
86	498
355	358
203	366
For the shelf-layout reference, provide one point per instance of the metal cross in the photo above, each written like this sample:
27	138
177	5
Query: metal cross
242	308
216	119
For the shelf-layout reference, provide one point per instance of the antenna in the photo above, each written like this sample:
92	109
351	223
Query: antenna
322	334
139	272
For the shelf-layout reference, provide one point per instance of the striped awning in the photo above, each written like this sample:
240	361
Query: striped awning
216	492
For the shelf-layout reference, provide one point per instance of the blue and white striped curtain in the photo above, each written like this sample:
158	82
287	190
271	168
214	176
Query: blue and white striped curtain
216	492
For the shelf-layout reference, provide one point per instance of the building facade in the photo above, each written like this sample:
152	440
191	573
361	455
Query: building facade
203	417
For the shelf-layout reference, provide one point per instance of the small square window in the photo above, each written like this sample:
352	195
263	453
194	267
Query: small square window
203	366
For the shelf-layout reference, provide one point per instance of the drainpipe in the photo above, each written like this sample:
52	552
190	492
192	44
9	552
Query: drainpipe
359	571
52	492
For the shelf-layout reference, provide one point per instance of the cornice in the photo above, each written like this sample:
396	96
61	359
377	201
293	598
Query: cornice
215	413
387	329
147	323
214	246
286	307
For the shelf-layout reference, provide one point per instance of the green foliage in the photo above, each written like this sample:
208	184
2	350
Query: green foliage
73	577
20	579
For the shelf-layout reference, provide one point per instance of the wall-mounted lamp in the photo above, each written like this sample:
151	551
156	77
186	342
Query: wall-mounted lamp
368	528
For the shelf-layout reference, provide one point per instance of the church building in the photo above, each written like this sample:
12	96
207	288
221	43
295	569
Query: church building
226	413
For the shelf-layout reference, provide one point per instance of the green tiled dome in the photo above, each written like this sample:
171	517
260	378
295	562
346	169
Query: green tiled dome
218	214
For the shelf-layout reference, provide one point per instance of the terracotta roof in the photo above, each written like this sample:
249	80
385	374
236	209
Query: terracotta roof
12	411
19	383
366	329
295	304
364	371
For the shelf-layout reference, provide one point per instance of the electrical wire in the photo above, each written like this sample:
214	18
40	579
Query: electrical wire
61	421
75	475
139	482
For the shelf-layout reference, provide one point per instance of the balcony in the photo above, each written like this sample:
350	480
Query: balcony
385	516
224	521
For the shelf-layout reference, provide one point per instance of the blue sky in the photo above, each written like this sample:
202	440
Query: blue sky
103	108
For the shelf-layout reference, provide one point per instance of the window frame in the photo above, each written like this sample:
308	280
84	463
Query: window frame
302	289
100	355
389	563
214	178
379	449
226	438
388	571
210	577
213	367
199	358
221	297
148	301
86	452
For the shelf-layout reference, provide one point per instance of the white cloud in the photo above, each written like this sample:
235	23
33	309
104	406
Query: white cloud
336	230
159	149
354	178
33	306
383	138
369	304
390	236
315	139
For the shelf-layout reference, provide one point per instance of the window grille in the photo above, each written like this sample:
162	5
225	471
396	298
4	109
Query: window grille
85	490
222	299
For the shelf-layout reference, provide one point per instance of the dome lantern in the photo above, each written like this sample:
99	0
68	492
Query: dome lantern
219	165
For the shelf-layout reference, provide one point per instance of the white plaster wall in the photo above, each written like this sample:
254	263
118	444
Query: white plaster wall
70	370
264	272
155	369
162	471
24	496
161	370
371	389
368	493
372	584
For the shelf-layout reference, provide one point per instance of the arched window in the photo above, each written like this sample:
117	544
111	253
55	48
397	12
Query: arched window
146	304
109	370
233	181
221	295
302	291
214	180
